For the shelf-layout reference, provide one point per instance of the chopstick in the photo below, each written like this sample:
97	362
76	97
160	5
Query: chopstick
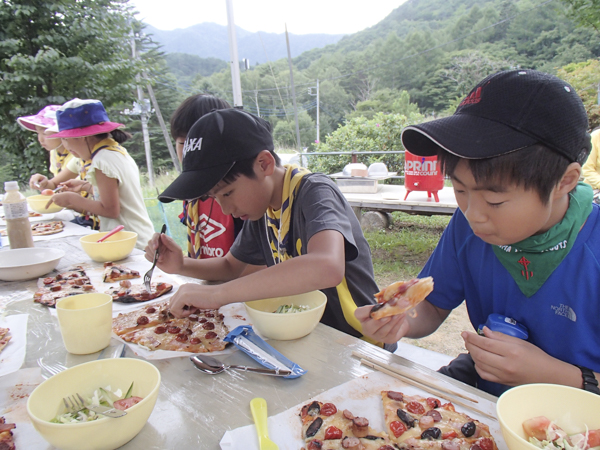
405	374
392	371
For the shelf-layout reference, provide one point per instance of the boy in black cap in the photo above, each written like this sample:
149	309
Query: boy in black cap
296	223
525	242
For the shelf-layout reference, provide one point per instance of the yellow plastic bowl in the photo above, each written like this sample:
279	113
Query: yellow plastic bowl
116	247
46	402
570	408
284	327
38	204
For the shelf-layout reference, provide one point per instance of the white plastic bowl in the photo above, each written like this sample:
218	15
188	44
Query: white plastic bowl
27	263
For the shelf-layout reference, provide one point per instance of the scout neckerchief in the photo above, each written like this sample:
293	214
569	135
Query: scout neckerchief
191	220
61	155
278	222
105	144
531	261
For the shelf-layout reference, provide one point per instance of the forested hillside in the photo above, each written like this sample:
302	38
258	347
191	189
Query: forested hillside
433	49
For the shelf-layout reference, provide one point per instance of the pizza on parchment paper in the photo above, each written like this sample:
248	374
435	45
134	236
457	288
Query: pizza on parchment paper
70	282
155	328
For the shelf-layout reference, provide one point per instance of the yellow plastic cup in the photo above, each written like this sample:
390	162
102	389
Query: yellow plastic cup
85	322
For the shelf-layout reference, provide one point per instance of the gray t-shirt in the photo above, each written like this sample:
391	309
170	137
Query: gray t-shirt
319	205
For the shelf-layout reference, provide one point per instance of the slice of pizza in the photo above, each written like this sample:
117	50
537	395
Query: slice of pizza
4	338
70	282
6	435
401	296
326	427
143	317
132	293
46	228
417	422
117	272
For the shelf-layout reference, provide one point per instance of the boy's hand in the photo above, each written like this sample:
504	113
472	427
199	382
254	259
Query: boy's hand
388	330
38	181
506	359
170	257
193	295
64	199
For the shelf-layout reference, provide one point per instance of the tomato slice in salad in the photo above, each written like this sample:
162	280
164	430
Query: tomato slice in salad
125	403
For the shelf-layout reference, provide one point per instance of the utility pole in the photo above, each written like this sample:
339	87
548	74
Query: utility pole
163	127
310	92
144	116
287	40
235	63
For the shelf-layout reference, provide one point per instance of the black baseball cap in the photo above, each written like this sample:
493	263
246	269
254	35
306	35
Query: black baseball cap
213	145
505	112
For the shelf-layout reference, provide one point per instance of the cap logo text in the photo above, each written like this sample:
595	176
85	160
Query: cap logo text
191	145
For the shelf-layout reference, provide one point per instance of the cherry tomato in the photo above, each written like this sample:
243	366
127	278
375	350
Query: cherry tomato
328	409
433	402
125	403
485	444
334	433
398	428
415	408
47	192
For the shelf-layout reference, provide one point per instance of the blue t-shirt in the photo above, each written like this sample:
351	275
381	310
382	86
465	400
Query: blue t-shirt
563	316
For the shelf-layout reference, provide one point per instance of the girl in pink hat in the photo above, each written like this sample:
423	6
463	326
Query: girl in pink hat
40	123
109	172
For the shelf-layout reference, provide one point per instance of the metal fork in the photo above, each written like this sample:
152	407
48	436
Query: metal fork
148	275
76	403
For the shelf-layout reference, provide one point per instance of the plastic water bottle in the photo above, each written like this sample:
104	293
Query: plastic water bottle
16	212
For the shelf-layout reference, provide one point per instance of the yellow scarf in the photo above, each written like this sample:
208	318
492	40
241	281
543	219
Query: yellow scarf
60	157
195	232
278	222
105	144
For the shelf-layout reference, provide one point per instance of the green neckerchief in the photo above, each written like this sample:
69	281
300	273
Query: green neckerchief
531	261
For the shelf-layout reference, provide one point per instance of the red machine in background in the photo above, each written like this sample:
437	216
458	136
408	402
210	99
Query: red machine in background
422	174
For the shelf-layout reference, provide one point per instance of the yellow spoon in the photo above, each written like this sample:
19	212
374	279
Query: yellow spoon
258	406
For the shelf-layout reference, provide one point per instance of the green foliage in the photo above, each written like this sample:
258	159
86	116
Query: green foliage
585	78
586	12
380	134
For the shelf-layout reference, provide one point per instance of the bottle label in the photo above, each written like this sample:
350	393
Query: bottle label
16	210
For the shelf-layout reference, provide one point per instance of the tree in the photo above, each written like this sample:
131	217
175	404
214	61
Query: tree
586	12
55	50
585	78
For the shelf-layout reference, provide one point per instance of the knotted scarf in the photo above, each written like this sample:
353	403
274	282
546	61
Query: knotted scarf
195	230
531	261
278	222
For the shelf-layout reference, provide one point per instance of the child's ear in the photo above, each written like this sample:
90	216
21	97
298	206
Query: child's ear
570	179
265	162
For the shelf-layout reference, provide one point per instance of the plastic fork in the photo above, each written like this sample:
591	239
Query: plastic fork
76	403
148	275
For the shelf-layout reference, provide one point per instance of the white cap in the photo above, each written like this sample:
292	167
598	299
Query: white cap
11	186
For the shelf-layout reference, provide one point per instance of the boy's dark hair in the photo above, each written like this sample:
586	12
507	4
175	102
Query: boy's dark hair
535	168
118	135
191	109
246	167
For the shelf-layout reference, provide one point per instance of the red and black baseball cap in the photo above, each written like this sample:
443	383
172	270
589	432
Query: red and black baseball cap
213	145
505	112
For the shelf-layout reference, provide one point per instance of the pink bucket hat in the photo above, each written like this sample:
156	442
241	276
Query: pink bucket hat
81	118
46	118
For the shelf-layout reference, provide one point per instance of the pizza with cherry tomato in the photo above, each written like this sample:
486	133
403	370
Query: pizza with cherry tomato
155	328
70	282
324	427
412	423
117	272
415	422
126	292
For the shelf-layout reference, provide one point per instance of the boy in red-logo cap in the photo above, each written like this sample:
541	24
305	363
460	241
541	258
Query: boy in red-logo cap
525	242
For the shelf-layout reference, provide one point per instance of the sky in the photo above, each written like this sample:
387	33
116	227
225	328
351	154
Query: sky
271	16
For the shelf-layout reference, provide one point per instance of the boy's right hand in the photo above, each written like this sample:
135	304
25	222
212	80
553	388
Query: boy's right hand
170	257
38	181
388	330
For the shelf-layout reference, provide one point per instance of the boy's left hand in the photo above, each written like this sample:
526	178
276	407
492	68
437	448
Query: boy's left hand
505	359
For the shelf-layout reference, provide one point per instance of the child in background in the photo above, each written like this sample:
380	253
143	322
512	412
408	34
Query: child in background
40	122
210	232
296	223
591	168
525	242
111	174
